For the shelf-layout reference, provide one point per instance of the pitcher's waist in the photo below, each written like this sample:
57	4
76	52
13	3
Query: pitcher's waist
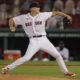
37	36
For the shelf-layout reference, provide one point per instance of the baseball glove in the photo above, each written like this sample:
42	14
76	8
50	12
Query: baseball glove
66	23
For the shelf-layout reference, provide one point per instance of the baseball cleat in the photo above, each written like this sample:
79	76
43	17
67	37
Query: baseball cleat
5	70
71	74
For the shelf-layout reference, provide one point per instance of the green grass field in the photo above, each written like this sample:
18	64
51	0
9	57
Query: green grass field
49	68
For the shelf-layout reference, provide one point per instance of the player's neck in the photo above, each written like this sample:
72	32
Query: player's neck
34	13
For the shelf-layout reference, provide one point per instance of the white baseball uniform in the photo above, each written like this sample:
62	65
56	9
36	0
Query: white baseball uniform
34	27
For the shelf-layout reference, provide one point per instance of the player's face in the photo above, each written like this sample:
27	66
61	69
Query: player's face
35	9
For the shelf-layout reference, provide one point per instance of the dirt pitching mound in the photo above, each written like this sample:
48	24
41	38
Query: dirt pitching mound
28	77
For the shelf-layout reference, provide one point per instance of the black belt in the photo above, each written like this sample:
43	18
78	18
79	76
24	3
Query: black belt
38	36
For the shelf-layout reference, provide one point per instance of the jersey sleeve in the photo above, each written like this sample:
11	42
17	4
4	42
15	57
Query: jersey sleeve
17	20
47	15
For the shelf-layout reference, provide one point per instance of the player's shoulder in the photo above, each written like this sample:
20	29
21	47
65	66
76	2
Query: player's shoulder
45	12
22	15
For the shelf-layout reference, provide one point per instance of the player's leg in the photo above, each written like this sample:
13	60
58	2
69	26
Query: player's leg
49	48
32	49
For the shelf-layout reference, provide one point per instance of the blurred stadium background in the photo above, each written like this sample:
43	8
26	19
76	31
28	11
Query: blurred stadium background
18	41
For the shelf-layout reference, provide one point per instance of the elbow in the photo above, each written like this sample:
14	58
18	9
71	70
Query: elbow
12	25
12	29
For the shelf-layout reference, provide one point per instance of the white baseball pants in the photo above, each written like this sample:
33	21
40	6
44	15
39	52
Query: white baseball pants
40	43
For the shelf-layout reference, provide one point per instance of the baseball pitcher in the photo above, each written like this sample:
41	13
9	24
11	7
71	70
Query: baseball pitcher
33	24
